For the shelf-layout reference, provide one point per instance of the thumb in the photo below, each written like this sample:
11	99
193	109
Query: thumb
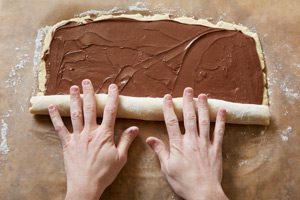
159	148
126	139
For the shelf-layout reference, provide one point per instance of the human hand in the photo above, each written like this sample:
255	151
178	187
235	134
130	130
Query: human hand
91	157
193	163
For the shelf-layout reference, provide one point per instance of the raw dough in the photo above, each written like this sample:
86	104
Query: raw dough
146	108
151	108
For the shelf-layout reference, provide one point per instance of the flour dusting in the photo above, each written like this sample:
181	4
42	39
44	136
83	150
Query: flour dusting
13	82
286	133
114	10
139	6
4	149
14	75
288	91
243	162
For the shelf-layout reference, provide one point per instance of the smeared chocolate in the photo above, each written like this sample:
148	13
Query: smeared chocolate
150	59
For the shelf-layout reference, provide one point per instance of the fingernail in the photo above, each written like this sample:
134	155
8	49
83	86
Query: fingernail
51	107
86	82
74	88
202	97
133	131
223	111
112	87
152	143
188	90
168	97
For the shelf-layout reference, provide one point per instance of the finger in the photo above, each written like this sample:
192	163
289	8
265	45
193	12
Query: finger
58	124
219	128
126	139
171	120
159	148
203	115
76	109
89	105
189	114
111	107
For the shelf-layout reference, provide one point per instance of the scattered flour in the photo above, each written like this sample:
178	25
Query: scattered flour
4	149
222	15
291	93
114	10
4	131
14	75
243	162
286	133
139	6
12	83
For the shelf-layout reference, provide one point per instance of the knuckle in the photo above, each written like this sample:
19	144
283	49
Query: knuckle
88	88
128	138
59	127
203	108
204	122
113	95
172	121
158	149
110	110
76	115
54	114
75	101
106	130
222	120
89	107
175	141
51	112
190	116
204	149
75	96
195	148
220	132
172	172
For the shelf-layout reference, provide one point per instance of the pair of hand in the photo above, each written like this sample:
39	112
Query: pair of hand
192	164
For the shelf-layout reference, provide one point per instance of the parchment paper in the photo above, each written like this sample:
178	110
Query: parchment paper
259	162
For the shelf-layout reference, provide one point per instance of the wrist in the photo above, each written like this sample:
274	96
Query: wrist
208	193
75	192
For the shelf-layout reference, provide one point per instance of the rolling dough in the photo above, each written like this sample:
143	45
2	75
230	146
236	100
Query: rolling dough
146	108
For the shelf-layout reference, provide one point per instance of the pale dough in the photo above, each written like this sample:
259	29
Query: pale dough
146	108
151	108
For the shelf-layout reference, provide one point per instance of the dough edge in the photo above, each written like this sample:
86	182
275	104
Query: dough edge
155	17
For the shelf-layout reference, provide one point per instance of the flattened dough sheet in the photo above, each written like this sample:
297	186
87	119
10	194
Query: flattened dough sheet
145	108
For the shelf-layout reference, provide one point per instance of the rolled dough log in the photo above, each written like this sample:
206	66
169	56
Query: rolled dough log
151	108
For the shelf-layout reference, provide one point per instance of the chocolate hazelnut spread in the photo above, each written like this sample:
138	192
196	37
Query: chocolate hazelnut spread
153	58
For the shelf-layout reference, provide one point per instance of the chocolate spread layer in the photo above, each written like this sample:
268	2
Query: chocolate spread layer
150	59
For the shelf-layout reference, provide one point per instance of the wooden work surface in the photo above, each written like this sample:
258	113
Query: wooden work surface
259	162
